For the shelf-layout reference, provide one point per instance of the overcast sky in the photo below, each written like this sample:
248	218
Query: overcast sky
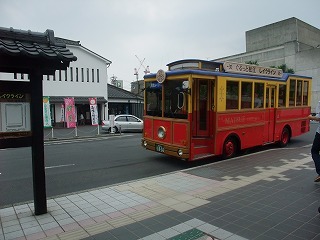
158	31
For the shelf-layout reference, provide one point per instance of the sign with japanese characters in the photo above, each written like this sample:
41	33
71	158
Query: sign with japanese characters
70	112
14	114
46	113
94	111
233	67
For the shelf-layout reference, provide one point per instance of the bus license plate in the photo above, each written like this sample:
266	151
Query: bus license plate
159	148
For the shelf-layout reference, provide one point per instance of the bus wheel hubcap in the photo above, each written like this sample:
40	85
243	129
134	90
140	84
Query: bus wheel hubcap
229	148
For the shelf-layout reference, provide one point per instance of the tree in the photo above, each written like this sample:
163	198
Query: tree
255	62
284	68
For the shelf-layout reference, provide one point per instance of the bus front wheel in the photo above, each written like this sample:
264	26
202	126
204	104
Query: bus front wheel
285	137
230	148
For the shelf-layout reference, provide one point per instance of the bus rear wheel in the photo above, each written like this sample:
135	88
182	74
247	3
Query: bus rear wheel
230	148
285	137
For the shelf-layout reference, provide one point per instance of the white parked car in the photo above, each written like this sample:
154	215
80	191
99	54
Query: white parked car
124	123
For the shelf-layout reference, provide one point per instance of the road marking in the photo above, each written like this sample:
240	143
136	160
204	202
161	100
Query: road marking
66	165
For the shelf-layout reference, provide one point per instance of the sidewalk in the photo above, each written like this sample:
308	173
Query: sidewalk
68	133
259	196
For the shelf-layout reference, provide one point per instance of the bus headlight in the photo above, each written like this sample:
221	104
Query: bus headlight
161	132
180	152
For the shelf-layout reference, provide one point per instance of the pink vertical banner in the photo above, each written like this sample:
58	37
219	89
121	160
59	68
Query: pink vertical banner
94	111
70	112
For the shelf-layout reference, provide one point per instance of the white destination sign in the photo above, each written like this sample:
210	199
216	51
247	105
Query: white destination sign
252	69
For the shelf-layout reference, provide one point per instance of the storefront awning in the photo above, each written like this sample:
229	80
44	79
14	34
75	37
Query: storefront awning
77	100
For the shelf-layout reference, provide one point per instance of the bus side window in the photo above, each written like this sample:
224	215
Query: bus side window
258	95
292	93
282	96
232	98
246	95
305	93
299	93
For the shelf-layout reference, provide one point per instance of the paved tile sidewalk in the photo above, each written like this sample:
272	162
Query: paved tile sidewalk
252	197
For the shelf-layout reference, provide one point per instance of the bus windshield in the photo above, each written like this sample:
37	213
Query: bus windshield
175	99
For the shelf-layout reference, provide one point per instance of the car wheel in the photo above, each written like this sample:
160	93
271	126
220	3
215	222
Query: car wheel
115	129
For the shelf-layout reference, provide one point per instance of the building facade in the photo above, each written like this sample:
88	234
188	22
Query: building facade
85	78
121	101
291	42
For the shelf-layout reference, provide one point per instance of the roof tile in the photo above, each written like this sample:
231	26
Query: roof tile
33	44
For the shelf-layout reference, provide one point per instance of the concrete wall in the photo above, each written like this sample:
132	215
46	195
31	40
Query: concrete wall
282	32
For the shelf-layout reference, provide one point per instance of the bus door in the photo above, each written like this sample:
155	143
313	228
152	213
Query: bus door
270	113
202	107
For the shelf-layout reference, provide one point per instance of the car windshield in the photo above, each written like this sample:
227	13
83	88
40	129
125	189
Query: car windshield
175	99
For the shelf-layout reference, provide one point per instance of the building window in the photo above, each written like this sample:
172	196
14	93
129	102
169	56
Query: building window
88	75
71	74
92	75
97	75
82	74
77	75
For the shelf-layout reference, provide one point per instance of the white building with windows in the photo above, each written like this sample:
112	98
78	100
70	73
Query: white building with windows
85	78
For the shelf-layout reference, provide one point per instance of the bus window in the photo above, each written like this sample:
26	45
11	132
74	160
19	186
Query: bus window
299	93
232	97
292	93
282	95
176	99
305	93
246	95
153	98
273	95
258	94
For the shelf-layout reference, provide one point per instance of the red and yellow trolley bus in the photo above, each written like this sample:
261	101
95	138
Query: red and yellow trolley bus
199	109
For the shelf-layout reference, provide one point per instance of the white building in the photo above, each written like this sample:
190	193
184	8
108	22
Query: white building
87	77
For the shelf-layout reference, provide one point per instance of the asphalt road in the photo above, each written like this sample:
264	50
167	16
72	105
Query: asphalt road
76	165
80	164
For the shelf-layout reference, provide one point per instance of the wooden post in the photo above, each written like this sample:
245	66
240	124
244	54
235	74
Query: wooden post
38	167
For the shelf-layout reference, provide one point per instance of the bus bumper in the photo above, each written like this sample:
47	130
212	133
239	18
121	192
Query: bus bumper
171	150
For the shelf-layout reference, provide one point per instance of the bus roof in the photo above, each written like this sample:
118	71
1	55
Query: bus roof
212	68
284	77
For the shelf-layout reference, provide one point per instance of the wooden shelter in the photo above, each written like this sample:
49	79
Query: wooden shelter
35	54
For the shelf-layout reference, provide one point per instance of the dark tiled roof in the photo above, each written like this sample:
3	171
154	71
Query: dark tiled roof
119	93
19	43
77	100
77	43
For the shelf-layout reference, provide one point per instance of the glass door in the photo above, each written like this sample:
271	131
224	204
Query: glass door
202	105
